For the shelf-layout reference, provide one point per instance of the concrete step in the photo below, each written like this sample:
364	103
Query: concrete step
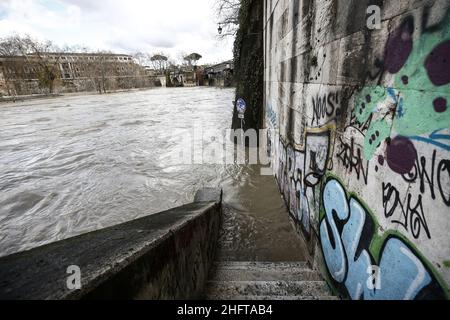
260	266
230	290
258	273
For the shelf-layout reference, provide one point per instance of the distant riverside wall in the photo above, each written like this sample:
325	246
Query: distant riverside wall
112	84
358	118
163	256
71	72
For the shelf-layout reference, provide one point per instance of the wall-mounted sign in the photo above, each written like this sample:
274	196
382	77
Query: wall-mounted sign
241	106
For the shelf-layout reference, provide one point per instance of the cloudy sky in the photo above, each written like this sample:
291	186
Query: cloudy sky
123	26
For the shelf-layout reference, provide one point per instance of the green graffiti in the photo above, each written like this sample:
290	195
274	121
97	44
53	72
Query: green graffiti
418	92
410	107
377	133
368	101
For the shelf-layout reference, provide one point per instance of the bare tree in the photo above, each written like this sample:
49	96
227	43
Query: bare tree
11	66
8	47
102	69
45	56
23	59
227	12
180	60
143	59
27	58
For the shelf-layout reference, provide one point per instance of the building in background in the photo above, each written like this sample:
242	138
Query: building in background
185	76
220	75
73	72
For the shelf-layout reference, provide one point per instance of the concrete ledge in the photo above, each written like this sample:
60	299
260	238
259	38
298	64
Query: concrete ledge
209	195
162	256
28	97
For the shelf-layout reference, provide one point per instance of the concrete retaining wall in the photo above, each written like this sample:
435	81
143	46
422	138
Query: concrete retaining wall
21	88
358	123
162	256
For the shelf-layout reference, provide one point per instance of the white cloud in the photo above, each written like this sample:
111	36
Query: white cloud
124	26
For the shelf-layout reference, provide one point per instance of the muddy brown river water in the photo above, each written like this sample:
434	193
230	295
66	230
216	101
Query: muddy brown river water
75	164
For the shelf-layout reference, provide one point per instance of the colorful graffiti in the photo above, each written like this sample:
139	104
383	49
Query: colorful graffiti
381	130
300	173
292	185
347	231
417	103
271	116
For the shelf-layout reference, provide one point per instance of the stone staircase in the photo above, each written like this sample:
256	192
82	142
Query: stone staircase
231	280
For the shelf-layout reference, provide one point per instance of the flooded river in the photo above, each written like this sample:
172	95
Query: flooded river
75	164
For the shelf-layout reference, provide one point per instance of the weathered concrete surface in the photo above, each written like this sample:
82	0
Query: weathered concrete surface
29	97
242	280
358	123
269	271
162	256
209	195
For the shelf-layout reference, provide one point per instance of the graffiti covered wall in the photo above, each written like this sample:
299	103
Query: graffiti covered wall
359	139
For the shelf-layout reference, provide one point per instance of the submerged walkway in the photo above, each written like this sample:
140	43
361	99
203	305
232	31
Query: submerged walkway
256	225
260	256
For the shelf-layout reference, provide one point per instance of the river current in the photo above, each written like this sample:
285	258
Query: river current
74	164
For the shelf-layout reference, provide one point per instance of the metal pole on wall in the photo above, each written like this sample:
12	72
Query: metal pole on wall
241	106
242	131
